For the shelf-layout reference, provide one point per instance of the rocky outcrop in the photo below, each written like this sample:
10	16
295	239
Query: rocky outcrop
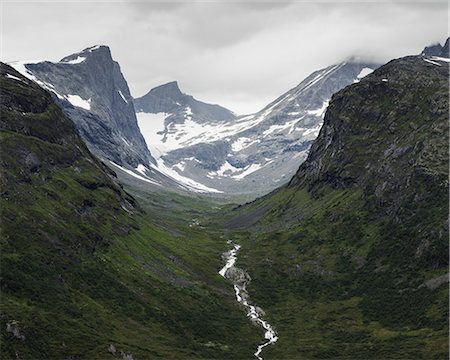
437	50
434	283
374	132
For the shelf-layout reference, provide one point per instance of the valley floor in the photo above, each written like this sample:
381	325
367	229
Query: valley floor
311	272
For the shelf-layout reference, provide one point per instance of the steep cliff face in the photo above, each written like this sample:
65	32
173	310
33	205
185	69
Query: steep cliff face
354	250
93	92
386	135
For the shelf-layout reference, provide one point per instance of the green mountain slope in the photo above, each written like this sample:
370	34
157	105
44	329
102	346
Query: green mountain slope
85	272
350	260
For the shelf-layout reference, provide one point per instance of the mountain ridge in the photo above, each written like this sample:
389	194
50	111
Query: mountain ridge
234	155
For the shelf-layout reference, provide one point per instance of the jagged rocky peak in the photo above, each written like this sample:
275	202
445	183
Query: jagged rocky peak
169	99
164	98
171	89
91	89
97	51
437	50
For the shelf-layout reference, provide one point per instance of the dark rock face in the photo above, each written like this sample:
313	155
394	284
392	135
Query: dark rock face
445	49
209	156
93	92
432	50
163	98
385	134
437	50
168	98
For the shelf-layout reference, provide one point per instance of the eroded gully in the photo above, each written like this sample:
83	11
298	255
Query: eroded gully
240	279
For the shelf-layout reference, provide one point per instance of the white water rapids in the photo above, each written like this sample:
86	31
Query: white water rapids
240	279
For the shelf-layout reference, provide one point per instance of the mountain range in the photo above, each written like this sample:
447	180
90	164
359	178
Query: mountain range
233	153
189	145
347	259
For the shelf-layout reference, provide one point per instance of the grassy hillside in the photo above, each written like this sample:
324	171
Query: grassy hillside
351	259
86	273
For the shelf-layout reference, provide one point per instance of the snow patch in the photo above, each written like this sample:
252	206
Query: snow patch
9	76
364	72
77	101
248	170
320	111
438	58
186	182
180	166
125	141
242	143
188	113
152	126
93	48
78	60
132	173
123	97
314	131
431	62
226	168
318	77
279	128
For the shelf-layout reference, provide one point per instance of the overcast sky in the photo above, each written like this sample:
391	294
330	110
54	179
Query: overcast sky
239	54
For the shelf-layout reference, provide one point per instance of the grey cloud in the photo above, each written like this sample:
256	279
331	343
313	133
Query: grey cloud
143	9
240	54
215	24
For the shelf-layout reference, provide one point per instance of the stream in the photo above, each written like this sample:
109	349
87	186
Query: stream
240	279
